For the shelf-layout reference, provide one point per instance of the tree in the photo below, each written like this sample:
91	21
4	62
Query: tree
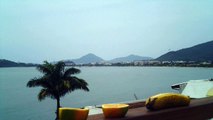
56	82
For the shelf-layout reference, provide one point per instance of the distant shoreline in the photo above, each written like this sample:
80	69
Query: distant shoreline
210	66
140	63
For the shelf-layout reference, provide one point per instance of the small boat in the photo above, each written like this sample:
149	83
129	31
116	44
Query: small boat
195	88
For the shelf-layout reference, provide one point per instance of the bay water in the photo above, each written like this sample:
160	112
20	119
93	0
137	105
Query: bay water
106	84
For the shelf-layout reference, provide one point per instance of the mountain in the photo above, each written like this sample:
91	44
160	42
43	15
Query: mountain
8	63
200	52
129	58
89	58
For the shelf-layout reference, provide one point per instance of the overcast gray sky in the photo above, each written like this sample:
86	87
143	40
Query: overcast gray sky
38	30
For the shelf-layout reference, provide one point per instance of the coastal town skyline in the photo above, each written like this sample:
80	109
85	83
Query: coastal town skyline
34	31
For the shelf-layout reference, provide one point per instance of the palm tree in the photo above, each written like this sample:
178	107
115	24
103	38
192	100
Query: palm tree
56	82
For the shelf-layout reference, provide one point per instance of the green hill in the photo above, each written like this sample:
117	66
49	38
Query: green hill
8	63
200	52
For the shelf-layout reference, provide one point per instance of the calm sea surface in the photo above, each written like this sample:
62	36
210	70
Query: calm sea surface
107	85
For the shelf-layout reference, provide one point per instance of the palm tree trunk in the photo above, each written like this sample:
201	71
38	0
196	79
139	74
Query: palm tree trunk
57	109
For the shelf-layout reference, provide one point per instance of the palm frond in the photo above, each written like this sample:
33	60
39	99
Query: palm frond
45	68
45	93
71	71
72	84
34	82
59	66
77	83
58	70
39	82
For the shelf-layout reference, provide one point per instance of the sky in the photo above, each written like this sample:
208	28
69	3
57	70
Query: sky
37	30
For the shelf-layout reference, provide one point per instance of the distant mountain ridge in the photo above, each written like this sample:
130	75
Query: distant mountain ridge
129	58
89	58
200	52
92	58
8	63
86	59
